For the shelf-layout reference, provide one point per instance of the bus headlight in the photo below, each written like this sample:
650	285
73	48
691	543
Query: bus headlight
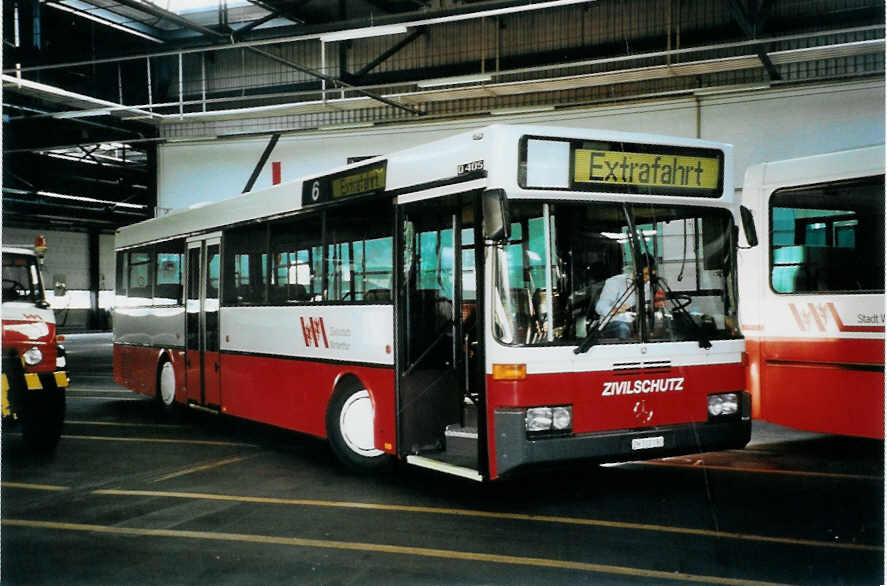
539	419
33	356
562	418
544	420
724	404
60	360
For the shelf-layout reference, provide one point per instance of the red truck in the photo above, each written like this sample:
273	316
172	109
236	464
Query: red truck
33	376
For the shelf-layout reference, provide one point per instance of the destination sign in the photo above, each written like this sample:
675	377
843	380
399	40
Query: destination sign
350	183
358	183
646	170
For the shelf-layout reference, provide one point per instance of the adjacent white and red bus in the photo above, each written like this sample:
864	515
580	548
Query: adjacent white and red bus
441	304
813	294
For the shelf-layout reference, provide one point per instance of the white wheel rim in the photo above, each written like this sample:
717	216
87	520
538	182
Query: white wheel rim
356	424
167	384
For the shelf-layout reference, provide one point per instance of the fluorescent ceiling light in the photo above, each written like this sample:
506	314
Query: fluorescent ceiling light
363	33
525	110
104	21
479	78
730	89
118	204
82	113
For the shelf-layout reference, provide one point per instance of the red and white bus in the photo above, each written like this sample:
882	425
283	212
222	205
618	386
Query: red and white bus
813	295
33	377
440	304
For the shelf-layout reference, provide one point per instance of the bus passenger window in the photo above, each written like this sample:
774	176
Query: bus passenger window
168	271
359	254
140	292
246	266
296	261
828	237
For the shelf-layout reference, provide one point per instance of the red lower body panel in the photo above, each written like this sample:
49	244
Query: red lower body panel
135	367
291	394
827	386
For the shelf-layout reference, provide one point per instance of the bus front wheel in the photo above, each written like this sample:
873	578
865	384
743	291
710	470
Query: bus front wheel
349	424
166	386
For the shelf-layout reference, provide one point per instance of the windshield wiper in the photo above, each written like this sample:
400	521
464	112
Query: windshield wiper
685	316
592	337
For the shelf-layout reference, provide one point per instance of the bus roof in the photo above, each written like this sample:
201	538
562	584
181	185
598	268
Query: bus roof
423	165
809	170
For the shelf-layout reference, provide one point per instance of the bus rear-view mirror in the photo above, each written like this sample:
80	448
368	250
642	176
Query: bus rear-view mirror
748	226
497	223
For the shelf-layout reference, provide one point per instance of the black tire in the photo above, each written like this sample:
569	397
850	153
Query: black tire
42	418
349	434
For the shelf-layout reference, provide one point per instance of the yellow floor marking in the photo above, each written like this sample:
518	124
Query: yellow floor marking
156	440
116	391
494	515
27	486
118	424
700	465
97	398
385	549
202	467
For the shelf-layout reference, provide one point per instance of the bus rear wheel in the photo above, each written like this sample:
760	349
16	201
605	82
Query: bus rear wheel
349	424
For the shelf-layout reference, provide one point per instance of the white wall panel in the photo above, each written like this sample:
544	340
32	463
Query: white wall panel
784	124
762	125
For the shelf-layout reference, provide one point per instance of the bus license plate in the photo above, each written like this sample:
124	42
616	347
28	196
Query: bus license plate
646	443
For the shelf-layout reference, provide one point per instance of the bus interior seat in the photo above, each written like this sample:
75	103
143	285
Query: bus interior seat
790	269
296	292
378	295
168	291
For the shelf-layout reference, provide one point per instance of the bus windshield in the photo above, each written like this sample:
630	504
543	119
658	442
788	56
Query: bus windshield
21	279
569	273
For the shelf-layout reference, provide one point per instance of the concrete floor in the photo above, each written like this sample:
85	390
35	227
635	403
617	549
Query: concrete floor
132	498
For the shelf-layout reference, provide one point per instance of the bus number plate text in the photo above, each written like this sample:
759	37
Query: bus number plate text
646	443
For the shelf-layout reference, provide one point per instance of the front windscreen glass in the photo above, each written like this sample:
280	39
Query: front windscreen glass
573	271
21	279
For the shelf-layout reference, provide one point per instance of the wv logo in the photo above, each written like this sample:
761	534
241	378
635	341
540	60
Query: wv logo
314	332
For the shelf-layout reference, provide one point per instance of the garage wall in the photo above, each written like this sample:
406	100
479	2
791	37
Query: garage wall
762	125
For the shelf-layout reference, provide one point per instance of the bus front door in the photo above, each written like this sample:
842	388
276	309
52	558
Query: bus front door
203	361
436	310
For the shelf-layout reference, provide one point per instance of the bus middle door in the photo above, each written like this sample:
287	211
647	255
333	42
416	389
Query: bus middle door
203	362
435	312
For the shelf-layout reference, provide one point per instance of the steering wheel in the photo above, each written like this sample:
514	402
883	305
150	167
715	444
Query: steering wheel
681	300
15	288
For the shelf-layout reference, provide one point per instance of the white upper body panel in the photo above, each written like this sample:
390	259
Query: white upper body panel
496	146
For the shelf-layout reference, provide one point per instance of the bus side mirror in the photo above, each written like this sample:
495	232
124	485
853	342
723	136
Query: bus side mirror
748	226
497	221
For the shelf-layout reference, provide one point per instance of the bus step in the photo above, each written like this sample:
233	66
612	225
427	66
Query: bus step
198	407
445	467
458	431
461	441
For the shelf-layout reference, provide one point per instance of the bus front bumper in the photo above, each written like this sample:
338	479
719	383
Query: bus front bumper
514	449
14	384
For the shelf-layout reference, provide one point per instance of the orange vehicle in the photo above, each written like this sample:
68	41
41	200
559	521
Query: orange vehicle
34	377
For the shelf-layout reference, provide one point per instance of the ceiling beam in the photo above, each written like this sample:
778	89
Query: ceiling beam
387	54
337	83
750	30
